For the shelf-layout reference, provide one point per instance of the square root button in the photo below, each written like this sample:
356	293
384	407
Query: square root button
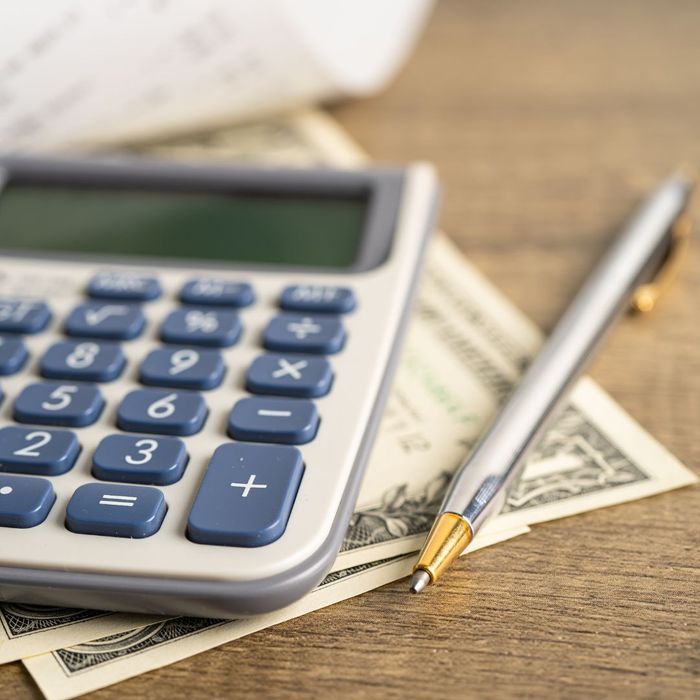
246	496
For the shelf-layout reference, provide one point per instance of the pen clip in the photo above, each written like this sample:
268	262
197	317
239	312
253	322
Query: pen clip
647	295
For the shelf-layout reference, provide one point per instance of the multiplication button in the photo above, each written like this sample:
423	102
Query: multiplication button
246	496
290	375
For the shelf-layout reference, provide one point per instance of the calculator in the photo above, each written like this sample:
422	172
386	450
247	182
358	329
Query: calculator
193	364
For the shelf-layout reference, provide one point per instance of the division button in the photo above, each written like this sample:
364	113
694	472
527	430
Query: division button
246	496
285	421
116	510
304	334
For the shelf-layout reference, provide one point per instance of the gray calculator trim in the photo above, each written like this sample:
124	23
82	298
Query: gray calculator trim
234	598
382	186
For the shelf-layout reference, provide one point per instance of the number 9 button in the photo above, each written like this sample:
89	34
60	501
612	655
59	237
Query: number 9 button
183	368
139	459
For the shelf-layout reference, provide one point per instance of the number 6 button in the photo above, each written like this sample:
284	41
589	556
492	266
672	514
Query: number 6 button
49	403
141	460
162	412
31	451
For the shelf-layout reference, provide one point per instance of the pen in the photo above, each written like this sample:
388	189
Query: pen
644	250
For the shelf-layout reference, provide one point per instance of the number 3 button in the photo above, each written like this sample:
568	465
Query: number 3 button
140	460
162	412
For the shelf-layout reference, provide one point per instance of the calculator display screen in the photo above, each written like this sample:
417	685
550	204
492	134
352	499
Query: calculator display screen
277	229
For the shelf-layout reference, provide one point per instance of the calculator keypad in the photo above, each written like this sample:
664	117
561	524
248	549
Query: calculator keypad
116	510
209	327
183	368
290	375
246	495
107	321
249	487
140	459
319	335
50	403
262	419
34	451
87	361
162	412
13	355
24	500
22	316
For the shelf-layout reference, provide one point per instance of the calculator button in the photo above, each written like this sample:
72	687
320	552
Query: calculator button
212	292
201	327
286	421
24	500
124	287
22	316
13	355
300	333
138	459
290	375
161	411
83	360
317	298
50	403
183	368
246	495
109	321
115	510
42	452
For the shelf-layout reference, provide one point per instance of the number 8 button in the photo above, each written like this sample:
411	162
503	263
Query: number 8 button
162	412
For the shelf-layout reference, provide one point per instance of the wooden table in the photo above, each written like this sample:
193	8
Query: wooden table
548	121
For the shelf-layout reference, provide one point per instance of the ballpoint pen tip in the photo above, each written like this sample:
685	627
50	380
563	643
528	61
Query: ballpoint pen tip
419	581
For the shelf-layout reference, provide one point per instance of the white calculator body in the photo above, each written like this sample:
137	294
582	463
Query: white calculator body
193	364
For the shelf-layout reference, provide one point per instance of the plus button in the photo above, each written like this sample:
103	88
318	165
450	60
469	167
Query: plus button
250	484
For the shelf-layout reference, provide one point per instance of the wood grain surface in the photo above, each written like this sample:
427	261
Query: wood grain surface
548	121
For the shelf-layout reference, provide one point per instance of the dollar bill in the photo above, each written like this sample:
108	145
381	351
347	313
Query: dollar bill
72	671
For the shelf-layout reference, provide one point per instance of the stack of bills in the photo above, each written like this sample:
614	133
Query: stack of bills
465	350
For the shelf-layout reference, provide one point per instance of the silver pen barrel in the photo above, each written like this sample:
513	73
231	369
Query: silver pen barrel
480	488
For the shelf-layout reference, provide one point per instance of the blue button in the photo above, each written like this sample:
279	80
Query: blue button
83	360
24	501
189	326
300	333
23	316
161	411
290	375
213	292
13	355
139	459
286	421
115	510
32	451
124	286
318	298
108	321
50	403
246	495
183	368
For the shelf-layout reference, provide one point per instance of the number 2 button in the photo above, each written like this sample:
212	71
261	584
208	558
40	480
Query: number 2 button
49	403
43	452
162	412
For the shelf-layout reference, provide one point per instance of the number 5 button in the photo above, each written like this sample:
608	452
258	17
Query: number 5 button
141	460
43	452
49	403
162	412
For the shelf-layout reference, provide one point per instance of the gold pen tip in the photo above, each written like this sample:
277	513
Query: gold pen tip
419	581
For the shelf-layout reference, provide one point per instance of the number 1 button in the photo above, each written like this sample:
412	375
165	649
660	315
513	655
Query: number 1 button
246	495
162	412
